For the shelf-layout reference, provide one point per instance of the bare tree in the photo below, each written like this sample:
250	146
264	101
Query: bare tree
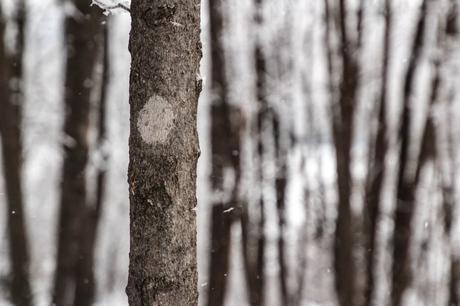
283	137
406	185
450	176
225	147
376	172
343	106
11	103
82	32
165	51
253	239
85	280
280	189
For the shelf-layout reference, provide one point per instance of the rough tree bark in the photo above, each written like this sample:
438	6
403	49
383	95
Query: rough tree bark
85	280
11	102
81	39
163	148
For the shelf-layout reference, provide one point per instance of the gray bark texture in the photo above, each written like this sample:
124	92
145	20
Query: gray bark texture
163	147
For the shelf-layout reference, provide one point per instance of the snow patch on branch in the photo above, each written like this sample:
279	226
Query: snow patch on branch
111	7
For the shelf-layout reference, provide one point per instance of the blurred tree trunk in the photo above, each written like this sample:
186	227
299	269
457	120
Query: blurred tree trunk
449	207
11	103
406	184
376	173
85	279
452	32
283	141
82	31
253	240
225	147
343	105
165	50
280	189
454	282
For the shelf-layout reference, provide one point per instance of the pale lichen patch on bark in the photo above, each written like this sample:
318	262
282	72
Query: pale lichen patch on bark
156	120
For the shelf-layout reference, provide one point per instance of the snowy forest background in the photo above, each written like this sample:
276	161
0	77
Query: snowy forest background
362	116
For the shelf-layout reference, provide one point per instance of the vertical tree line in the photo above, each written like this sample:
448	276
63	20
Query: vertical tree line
343	67
83	44
344	38
406	182
11	104
253	226
449	34
225	148
85	291
377	159
85	40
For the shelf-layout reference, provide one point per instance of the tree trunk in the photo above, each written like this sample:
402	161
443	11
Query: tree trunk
449	204
85	280
404	211
377	171
11	102
81	38
449	175
254	241
280	190
225	147
454	281
343	113
165	50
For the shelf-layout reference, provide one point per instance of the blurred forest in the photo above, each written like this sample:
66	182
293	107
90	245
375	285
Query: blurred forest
64	150
329	134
